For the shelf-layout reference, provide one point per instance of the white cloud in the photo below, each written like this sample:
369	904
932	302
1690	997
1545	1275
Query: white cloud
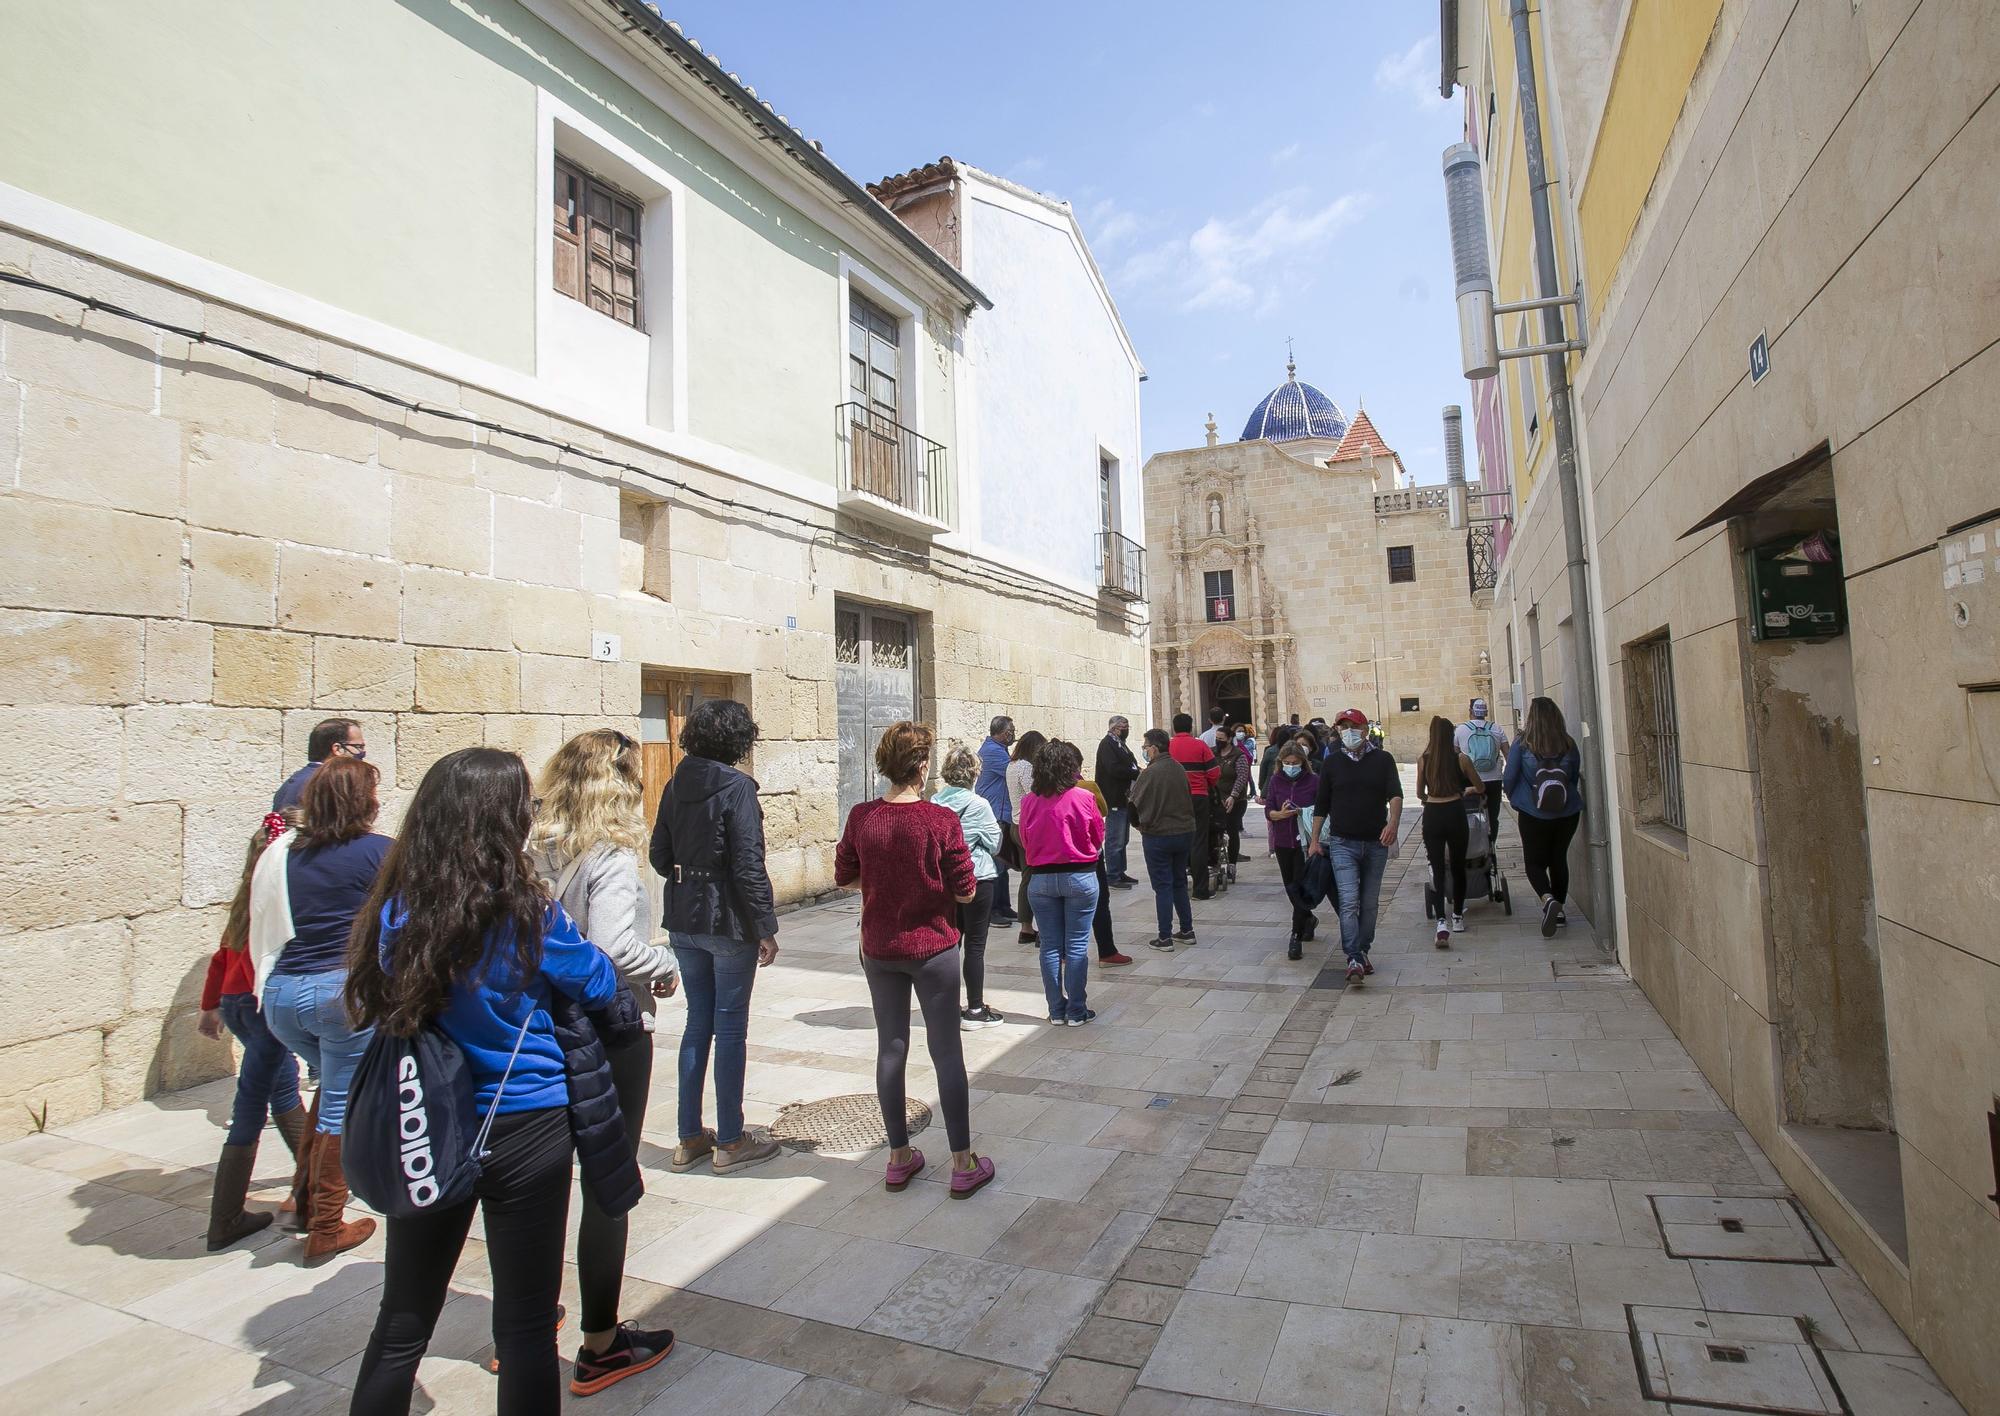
1246	260
1285	154
1412	72
1107	224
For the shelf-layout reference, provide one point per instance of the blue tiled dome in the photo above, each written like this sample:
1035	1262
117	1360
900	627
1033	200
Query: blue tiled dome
1295	410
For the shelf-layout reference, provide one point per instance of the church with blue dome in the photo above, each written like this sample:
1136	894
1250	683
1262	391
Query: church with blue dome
1295	412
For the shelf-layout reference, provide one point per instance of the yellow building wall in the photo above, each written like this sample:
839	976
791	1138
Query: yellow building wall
1662	46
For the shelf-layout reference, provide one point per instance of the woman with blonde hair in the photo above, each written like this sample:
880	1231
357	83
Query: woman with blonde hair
589	824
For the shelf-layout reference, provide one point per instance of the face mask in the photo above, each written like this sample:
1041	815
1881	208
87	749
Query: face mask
1241	736
1352	737
1292	769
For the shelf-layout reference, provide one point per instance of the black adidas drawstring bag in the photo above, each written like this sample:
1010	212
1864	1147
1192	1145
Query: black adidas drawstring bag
408	1145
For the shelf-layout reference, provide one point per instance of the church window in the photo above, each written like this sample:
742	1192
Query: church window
1402	564
1219	593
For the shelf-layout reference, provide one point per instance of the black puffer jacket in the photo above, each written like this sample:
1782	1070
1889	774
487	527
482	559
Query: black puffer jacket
603	1141
708	844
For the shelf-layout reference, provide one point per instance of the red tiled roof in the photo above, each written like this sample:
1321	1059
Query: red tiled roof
1360	438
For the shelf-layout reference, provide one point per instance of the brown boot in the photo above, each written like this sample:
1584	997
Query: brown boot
329	1232
296	1126
299	1215
228	1221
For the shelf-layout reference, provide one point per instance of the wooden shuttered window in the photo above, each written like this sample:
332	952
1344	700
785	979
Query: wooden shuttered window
596	233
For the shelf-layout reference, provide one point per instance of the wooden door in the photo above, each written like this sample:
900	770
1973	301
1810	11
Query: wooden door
664	707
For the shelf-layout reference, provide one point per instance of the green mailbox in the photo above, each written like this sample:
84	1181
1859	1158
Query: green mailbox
1796	590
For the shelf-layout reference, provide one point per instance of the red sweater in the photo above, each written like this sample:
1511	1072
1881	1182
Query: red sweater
1192	753
229	971
912	862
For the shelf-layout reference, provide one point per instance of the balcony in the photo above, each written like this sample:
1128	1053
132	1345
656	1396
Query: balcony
891	474
1121	566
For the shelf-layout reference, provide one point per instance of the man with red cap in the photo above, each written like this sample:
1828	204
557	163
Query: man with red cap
1355	818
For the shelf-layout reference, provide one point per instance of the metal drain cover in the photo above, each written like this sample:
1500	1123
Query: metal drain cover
845	1124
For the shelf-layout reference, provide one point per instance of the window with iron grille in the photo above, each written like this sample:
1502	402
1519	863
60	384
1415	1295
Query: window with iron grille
597	244
1218	588
1402	564
1656	737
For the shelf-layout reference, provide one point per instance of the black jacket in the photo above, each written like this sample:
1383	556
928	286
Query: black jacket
1117	770
708	844
603	1134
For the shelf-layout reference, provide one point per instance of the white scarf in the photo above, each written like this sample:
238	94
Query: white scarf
270	910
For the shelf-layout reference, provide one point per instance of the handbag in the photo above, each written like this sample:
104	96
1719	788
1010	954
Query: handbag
409	1146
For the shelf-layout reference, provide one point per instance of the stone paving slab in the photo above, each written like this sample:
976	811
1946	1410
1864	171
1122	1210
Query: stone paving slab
1245	1187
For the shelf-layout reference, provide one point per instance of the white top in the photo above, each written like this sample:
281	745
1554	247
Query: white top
1020	776
1464	735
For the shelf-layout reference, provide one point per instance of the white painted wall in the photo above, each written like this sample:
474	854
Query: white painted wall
1049	379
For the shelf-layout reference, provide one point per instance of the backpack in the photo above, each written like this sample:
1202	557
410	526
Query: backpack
1482	745
409	1146
1551	788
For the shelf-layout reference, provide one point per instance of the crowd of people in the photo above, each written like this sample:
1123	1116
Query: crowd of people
508	922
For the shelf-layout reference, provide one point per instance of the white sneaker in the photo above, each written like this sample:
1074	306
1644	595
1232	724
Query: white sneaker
1458	924
1443	932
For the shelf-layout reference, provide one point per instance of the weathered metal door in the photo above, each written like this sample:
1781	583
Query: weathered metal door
875	684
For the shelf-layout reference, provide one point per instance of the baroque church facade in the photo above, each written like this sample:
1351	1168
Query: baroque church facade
1298	571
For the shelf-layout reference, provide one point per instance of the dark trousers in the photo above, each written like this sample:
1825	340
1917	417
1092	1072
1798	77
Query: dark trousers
1493	797
1167	872
975	918
600	1239
1202	849
935	982
1446	835
267	1079
1024	911
1232	829
523	1196
1291	868
1545	848
1100	923
1003	893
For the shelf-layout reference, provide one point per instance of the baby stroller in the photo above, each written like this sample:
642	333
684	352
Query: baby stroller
1483	880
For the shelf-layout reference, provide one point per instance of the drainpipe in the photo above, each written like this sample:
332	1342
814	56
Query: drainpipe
1604	912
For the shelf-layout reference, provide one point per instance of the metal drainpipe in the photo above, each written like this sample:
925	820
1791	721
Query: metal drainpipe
1604	915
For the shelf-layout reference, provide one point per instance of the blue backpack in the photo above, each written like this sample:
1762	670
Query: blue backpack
1482	745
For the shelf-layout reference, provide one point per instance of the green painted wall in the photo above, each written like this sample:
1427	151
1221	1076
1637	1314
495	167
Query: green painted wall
379	155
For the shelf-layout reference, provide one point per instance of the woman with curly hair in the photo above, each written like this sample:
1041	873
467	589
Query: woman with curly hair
909	858
460	932
708	844
589	824
1062	834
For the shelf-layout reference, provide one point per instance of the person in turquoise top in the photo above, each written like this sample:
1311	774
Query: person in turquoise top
982	837
1544	783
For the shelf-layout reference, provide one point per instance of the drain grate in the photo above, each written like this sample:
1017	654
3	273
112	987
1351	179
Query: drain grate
845	1124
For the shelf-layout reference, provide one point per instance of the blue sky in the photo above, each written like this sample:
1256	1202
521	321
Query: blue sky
1243	172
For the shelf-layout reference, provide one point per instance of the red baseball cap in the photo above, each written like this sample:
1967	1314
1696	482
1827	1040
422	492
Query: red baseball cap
1351	715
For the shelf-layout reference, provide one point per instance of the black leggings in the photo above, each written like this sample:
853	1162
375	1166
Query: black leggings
1545	849
600	1239
1493	795
1232	829
975	917
1203	850
524	1195
936	983
1291	868
1446	836
1100	920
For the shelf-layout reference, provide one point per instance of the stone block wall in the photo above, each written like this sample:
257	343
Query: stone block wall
201	556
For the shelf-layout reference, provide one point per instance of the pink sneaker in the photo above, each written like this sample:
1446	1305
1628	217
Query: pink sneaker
895	1177
965	1182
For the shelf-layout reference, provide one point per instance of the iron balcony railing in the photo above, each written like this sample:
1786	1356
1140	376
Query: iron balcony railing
1121	566
881	458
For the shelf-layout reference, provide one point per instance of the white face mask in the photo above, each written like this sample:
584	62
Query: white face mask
1352	738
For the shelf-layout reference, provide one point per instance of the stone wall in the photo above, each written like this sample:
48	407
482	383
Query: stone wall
202	555
1832	190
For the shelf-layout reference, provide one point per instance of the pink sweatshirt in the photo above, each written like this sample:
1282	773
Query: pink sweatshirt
1061	831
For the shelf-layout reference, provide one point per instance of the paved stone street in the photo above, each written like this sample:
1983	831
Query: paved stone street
1488	1181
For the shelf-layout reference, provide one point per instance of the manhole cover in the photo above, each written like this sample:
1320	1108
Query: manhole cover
851	1124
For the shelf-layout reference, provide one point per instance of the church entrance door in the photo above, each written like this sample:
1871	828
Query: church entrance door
1227	689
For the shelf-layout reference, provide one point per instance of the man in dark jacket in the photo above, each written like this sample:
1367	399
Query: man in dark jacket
994	755
1355	820
708	844
1117	769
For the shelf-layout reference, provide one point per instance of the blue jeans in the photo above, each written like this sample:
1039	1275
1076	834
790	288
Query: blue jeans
1065	902
307	1014
1357	872
267	1079
717	973
1117	837
1167	870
